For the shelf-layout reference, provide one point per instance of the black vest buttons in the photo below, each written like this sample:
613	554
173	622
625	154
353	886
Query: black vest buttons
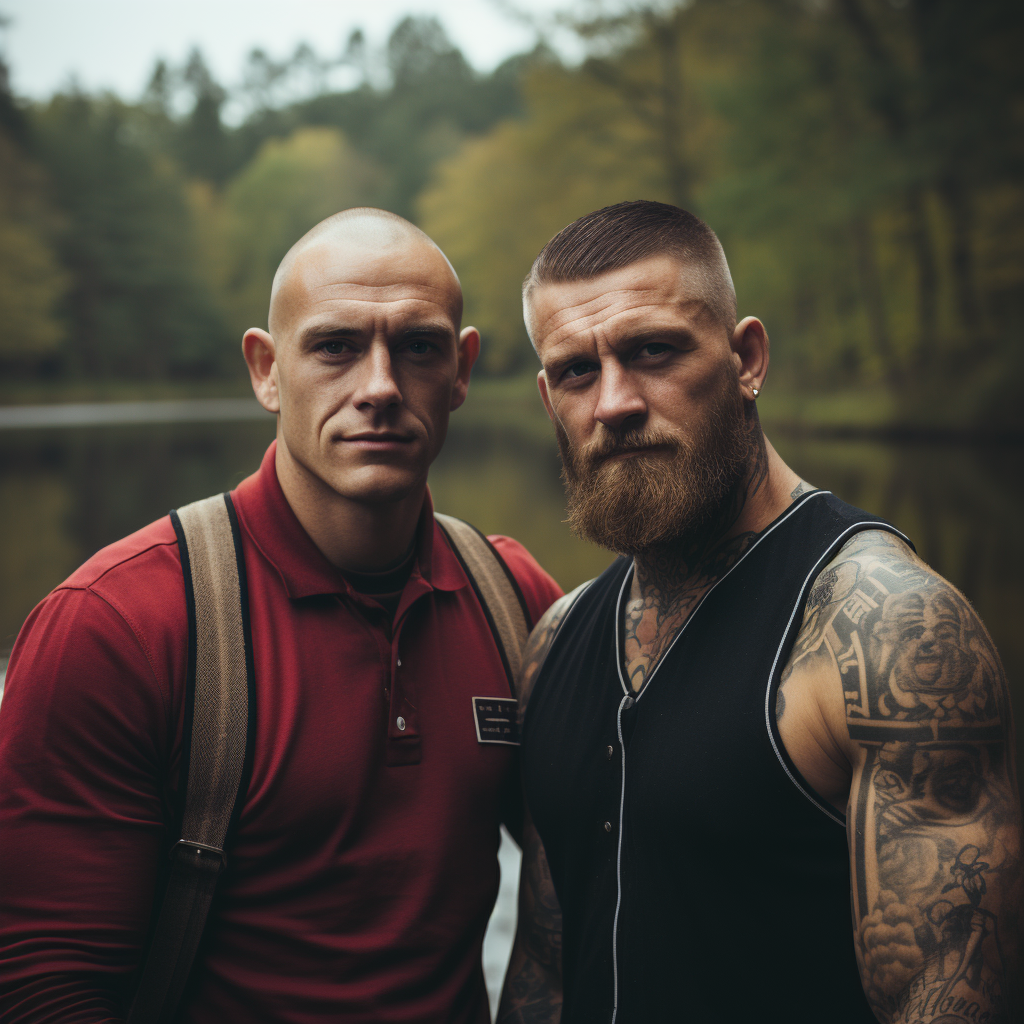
628	703
609	752
607	826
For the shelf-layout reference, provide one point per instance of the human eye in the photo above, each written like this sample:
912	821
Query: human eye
333	347
579	369
420	347
652	350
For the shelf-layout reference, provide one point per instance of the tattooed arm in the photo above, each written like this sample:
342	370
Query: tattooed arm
533	983
933	815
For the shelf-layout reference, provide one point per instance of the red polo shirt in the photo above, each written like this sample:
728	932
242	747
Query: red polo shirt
363	870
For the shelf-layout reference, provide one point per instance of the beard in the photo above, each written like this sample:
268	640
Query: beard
663	489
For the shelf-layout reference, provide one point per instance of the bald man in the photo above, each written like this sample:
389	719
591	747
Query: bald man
361	871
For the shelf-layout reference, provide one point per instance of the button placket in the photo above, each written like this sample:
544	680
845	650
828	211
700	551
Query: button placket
403	724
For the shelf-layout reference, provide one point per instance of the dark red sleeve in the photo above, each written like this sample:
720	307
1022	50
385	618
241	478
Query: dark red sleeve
539	589
85	730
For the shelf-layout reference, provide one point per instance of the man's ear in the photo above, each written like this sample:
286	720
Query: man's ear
261	358
542	386
469	349
750	355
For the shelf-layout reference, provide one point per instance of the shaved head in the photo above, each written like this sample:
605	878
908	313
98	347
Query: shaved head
366	236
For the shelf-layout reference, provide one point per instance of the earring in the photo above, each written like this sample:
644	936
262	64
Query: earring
756	391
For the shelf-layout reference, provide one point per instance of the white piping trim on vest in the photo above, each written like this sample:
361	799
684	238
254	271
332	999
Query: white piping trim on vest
799	503
618	866
833	550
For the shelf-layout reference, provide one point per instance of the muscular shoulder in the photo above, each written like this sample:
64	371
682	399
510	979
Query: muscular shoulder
540	643
538	587
138	553
902	643
117	624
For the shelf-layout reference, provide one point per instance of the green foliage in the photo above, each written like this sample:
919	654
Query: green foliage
290	186
31	281
861	159
492	207
135	305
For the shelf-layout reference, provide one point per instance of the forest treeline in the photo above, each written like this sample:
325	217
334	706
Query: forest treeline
862	161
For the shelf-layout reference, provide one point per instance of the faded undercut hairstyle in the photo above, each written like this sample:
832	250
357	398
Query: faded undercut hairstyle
626	233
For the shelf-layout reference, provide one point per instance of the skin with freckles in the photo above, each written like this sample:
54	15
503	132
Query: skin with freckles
363	364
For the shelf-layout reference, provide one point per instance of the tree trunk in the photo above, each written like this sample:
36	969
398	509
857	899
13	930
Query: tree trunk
874	300
965	288
927	277
665	35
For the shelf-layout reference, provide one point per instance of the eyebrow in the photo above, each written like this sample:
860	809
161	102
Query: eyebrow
323	332
629	341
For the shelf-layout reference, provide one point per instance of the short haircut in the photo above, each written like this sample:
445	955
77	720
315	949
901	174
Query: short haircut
626	233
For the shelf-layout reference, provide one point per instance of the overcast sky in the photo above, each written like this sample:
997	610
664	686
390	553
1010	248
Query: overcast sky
112	44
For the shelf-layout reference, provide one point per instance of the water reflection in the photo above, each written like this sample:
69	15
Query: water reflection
66	493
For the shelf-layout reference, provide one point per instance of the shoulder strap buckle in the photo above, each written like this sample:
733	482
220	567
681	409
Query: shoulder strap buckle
204	855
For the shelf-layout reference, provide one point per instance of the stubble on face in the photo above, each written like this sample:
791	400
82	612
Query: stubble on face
641	489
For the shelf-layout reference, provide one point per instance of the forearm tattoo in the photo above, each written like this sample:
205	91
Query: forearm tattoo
934	815
533	985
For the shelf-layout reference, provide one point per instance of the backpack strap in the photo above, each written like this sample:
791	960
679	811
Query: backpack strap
217	741
499	594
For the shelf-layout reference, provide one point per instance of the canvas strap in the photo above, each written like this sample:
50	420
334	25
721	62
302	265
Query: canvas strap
497	590
216	740
219	716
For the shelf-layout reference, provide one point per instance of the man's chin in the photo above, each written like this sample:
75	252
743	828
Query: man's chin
377	485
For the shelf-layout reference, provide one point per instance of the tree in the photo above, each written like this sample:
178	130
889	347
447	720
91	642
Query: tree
494	205
290	186
135	305
31	280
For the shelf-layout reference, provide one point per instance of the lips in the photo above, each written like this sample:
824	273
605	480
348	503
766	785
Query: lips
928	670
372	437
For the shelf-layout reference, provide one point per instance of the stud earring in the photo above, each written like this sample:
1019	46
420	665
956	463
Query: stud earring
756	391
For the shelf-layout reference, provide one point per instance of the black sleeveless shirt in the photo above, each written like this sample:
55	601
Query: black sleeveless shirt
700	877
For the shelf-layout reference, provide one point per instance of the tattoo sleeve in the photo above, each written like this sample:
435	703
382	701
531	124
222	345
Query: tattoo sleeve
934	815
533	983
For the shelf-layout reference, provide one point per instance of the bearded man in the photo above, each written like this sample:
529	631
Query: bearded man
766	701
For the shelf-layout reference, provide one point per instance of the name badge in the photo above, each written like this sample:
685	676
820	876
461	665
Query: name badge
496	720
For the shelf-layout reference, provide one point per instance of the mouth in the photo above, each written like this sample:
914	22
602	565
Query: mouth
928	670
625	453
377	441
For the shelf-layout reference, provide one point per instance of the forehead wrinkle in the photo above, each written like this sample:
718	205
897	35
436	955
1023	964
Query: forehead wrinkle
310	277
382	304
622	324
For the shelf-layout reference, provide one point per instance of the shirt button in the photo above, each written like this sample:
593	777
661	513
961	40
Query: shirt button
607	826
609	752
400	722
399	662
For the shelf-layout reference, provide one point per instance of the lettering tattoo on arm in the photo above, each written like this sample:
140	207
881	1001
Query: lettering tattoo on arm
934	815
533	983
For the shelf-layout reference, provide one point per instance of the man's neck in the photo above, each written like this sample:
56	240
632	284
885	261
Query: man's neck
353	535
670	580
699	560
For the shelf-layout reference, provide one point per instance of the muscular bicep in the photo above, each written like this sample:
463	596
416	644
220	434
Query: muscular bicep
81	812
539	644
933	814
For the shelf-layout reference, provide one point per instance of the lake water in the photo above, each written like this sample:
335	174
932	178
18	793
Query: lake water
66	491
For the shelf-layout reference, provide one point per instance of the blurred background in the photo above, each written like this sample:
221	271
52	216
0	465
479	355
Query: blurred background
861	161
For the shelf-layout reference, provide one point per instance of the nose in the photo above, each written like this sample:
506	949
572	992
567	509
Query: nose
619	400
377	388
